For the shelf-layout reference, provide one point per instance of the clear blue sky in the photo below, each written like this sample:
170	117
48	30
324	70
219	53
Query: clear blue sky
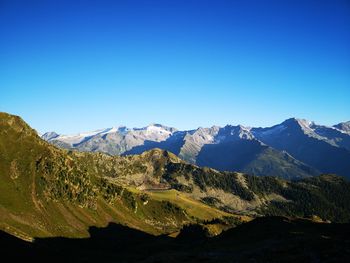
72	66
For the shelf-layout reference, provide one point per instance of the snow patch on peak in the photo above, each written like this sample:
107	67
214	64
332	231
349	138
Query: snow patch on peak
244	133
235	132
160	129
80	137
119	129
343	127
201	136
305	123
156	128
308	127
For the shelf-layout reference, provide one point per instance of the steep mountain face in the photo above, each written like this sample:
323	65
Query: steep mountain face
46	191
253	157
326	149
195	143
332	136
234	148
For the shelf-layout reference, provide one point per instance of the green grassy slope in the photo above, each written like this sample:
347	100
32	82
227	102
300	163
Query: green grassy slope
45	191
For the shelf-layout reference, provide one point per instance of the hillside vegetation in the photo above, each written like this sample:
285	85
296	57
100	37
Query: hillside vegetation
46	191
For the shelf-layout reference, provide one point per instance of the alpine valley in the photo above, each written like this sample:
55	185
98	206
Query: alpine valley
178	196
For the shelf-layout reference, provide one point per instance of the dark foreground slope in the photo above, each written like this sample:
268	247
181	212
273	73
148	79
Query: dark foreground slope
269	239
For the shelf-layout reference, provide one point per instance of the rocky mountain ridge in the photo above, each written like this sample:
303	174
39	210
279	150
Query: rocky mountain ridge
294	149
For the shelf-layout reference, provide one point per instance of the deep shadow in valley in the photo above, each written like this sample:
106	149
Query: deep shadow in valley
269	239
172	144
230	159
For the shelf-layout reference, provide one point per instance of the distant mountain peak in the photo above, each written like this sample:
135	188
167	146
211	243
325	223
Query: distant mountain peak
299	121
122	129
303	125
305	122
157	125
159	128
343	126
156	128
238	132
49	135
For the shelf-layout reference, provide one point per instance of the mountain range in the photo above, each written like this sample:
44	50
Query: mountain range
293	149
94	206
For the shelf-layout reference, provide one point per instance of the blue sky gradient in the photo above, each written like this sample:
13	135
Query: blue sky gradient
73	66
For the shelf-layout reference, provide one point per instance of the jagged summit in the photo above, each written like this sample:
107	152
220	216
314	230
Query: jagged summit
49	136
343	126
238	132
159	128
303	123
155	127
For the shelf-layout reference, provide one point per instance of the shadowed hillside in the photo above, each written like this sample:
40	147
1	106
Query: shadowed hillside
270	239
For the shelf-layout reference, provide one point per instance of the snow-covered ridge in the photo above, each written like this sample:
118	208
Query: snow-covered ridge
215	134
332	135
156	131
157	128
78	138
289	144
306	125
344	127
230	132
